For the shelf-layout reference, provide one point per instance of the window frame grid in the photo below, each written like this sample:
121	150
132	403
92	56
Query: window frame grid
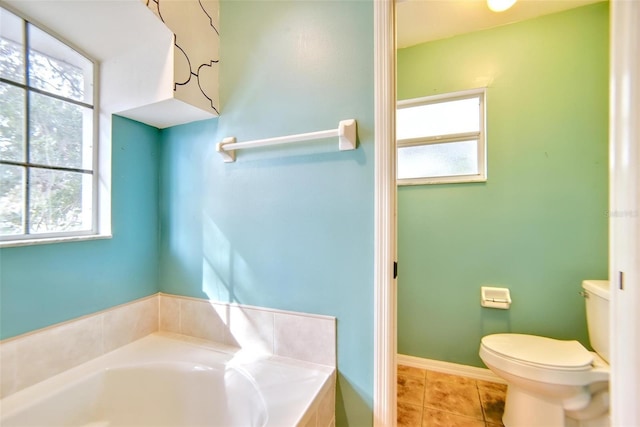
27	165
480	136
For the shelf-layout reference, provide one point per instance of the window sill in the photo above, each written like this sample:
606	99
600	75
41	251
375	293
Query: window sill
47	240
442	180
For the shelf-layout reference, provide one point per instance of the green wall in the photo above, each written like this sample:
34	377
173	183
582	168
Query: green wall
287	227
46	284
538	226
283	227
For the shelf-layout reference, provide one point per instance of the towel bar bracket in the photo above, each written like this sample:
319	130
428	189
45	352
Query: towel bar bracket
347	134
227	156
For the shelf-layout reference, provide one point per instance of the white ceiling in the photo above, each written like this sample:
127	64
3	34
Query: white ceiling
419	21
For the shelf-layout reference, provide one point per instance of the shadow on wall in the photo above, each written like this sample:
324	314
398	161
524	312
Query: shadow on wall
221	266
346	392
301	336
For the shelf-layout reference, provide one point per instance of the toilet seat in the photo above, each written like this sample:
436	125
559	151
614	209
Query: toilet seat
555	361
540	352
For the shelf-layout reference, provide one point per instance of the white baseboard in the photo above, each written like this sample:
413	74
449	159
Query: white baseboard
449	368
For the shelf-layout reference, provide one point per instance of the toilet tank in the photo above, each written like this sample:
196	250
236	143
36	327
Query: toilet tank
596	293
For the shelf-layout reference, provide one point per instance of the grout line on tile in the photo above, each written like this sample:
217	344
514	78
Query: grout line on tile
468	382
484	414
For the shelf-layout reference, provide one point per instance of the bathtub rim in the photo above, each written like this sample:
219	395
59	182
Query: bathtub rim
232	356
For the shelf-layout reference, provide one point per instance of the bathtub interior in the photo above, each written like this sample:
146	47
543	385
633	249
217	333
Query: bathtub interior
165	381
171	394
54	409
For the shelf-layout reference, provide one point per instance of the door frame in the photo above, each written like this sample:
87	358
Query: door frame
384	378
624	212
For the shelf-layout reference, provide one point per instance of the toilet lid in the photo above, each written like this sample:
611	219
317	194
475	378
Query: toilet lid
531	349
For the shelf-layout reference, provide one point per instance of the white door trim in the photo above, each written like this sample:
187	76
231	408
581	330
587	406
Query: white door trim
384	376
624	212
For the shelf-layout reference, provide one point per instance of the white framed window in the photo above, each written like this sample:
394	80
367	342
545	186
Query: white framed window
48	136
442	138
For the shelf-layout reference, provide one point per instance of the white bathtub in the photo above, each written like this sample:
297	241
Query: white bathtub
169	380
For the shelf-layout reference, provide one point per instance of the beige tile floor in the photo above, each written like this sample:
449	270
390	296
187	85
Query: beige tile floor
433	399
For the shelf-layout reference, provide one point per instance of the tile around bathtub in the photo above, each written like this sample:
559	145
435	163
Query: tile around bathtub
51	351
327	408
169	314
310	420
308	338
204	319
8	361
130	322
251	329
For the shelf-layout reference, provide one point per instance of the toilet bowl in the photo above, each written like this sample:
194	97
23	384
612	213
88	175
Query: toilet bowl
546	378
554	383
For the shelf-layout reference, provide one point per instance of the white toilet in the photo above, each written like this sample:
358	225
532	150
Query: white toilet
555	383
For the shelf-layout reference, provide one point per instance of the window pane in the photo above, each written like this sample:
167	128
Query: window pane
60	133
11	47
12	101
433	160
442	118
56	68
11	200
58	201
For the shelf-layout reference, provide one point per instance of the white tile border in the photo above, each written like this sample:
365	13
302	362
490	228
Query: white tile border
57	325
306	338
302	336
37	355
247	306
322	411
449	368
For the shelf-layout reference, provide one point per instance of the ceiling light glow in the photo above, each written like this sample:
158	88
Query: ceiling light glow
500	5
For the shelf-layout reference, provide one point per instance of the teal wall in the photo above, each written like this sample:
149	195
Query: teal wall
538	226
46	284
284	227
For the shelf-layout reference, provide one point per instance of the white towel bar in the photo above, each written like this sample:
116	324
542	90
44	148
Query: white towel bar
346	133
